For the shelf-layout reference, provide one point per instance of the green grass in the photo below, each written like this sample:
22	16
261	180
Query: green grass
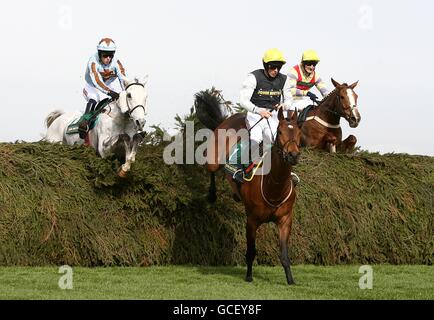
197	282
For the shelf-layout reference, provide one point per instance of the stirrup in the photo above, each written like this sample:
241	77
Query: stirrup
82	132
238	176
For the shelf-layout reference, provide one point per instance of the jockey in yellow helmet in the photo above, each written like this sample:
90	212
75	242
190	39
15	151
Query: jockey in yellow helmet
303	77
262	92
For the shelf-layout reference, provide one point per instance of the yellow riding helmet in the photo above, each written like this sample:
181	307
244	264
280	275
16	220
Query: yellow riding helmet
273	55
310	55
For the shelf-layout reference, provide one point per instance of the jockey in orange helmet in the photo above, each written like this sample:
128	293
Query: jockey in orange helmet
102	70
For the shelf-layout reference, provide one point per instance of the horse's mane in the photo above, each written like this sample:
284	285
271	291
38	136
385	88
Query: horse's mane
326	97
330	93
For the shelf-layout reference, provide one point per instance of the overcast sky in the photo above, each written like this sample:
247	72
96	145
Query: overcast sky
187	46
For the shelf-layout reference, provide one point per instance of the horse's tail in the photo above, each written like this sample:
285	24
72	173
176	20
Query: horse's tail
210	109
51	117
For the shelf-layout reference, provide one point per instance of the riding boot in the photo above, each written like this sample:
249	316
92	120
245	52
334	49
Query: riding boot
256	150
83	127
246	154
90	106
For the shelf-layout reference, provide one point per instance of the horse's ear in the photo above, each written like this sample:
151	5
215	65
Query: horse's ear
280	114
126	81
354	84
144	80
335	83
294	115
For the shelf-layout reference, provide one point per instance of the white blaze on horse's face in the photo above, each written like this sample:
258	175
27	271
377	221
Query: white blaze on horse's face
354	117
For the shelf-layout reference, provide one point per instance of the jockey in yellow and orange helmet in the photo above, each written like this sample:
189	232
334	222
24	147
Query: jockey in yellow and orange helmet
303	77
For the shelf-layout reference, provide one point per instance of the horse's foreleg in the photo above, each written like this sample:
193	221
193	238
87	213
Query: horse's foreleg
348	144
125	138
331	142
251	228
134	144
284	232
137	139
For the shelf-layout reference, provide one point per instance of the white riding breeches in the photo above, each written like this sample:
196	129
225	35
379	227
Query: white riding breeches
90	92
301	103
264	130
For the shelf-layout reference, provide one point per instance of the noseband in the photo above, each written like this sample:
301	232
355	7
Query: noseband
341	114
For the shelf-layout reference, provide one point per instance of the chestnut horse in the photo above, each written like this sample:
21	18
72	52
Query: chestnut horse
266	198
322	130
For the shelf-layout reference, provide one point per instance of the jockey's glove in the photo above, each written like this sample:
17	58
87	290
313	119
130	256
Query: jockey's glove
113	95
312	96
258	110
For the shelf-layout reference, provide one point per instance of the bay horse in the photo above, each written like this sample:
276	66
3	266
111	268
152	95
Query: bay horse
266	198
322	129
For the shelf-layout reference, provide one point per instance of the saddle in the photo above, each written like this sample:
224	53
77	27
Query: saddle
90	117
303	114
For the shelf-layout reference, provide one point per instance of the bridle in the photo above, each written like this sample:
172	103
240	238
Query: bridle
131	110
281	149
341	114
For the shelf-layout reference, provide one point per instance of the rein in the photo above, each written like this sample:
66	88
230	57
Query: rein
268	202
321	121
285	155
338	103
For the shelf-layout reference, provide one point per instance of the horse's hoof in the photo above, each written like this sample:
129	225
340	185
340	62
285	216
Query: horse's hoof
249	278
122	173
291	282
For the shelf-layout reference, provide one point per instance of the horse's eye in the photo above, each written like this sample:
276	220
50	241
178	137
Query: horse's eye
129	95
